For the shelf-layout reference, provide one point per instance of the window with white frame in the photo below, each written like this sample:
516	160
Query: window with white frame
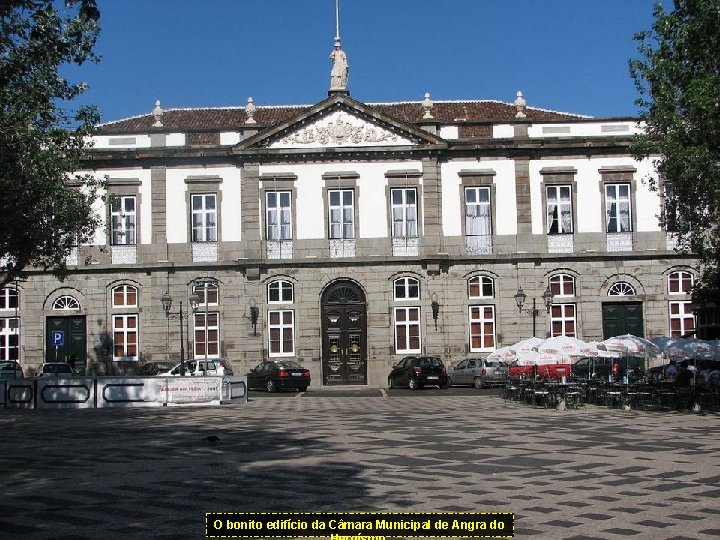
9	338
682	318
122	220
477	211
562	285
207	292
563	320
341	214
680	282
621	288
481	287
125	337
281	332
207	335
278	215
559	209
204	217
407	288
280	291
407	330
66	303
9	298
124	296
404	212
618	211
481	321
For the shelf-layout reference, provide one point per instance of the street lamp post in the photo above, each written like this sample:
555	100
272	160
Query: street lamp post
167	305
520	298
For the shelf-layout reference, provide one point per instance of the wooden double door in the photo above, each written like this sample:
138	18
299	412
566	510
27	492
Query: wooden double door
344	330
66	341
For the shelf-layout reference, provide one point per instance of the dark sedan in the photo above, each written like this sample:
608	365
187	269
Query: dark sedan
417	371
274	375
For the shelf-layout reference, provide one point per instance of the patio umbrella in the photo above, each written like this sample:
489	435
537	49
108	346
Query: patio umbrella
526	345
632	346
565	345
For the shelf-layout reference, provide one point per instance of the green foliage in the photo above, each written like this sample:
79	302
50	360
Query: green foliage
44	209
678	78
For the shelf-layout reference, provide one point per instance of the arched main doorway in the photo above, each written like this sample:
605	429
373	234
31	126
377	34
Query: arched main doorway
344	334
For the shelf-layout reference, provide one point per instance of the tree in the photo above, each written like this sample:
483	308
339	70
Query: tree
678	78
44	208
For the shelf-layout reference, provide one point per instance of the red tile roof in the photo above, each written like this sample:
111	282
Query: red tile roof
229	119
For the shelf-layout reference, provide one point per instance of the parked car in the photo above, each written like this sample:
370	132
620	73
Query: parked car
478	372
603	368
56	369
10	369
275	375
201	368
150	369
418	371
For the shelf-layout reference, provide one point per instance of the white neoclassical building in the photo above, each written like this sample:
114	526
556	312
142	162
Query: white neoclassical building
346	235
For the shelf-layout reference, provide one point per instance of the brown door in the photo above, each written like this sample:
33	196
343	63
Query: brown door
344	328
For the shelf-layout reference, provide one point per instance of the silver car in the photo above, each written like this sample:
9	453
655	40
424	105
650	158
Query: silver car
478	372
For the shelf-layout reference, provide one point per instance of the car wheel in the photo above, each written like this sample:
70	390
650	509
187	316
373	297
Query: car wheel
413	384
478	382
271	386
391	383
449	383
303	388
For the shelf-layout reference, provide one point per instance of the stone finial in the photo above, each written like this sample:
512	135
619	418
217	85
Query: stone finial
427	106
520	104
250	109
157	113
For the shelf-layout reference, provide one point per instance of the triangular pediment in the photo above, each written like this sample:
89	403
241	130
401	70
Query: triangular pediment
340	121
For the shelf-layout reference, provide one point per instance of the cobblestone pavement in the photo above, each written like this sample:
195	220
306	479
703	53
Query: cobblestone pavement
152	473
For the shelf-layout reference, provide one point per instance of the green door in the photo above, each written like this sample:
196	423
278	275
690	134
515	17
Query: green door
66	341
622	318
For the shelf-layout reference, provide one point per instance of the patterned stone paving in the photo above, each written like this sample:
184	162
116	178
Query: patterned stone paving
591	473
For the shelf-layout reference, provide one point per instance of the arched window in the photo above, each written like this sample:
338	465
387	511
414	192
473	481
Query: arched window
680	282
481	287
562	285
621	288
407	288
124	296
280	292
208	293
66	303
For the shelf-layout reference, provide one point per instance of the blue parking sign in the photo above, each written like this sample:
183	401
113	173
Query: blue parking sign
58	338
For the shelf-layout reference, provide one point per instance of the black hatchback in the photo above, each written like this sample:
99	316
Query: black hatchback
417	371
274	375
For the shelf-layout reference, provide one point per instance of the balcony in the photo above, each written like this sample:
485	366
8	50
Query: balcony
561	243
479	244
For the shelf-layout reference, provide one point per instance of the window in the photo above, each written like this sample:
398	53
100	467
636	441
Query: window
207	292
9	339
341	214
621	288
281	332
125	337
9	298
680	282
124	296
278	213
682	319
404	212
482	328
477	211
562	285
280	291
207	335
562	320
559	209
66	303
617	208
407	288
481	287
407	330
122	221
204	218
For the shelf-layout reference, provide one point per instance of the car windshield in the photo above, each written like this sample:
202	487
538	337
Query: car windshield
57	368
435	362
289	364
8	365
491	363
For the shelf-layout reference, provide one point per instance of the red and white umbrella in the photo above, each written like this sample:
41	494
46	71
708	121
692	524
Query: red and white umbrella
564	345
630	345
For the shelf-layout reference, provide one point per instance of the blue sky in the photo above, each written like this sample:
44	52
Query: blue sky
566	55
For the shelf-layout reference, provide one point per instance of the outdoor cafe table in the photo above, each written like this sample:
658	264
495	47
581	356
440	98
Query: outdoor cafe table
569	392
